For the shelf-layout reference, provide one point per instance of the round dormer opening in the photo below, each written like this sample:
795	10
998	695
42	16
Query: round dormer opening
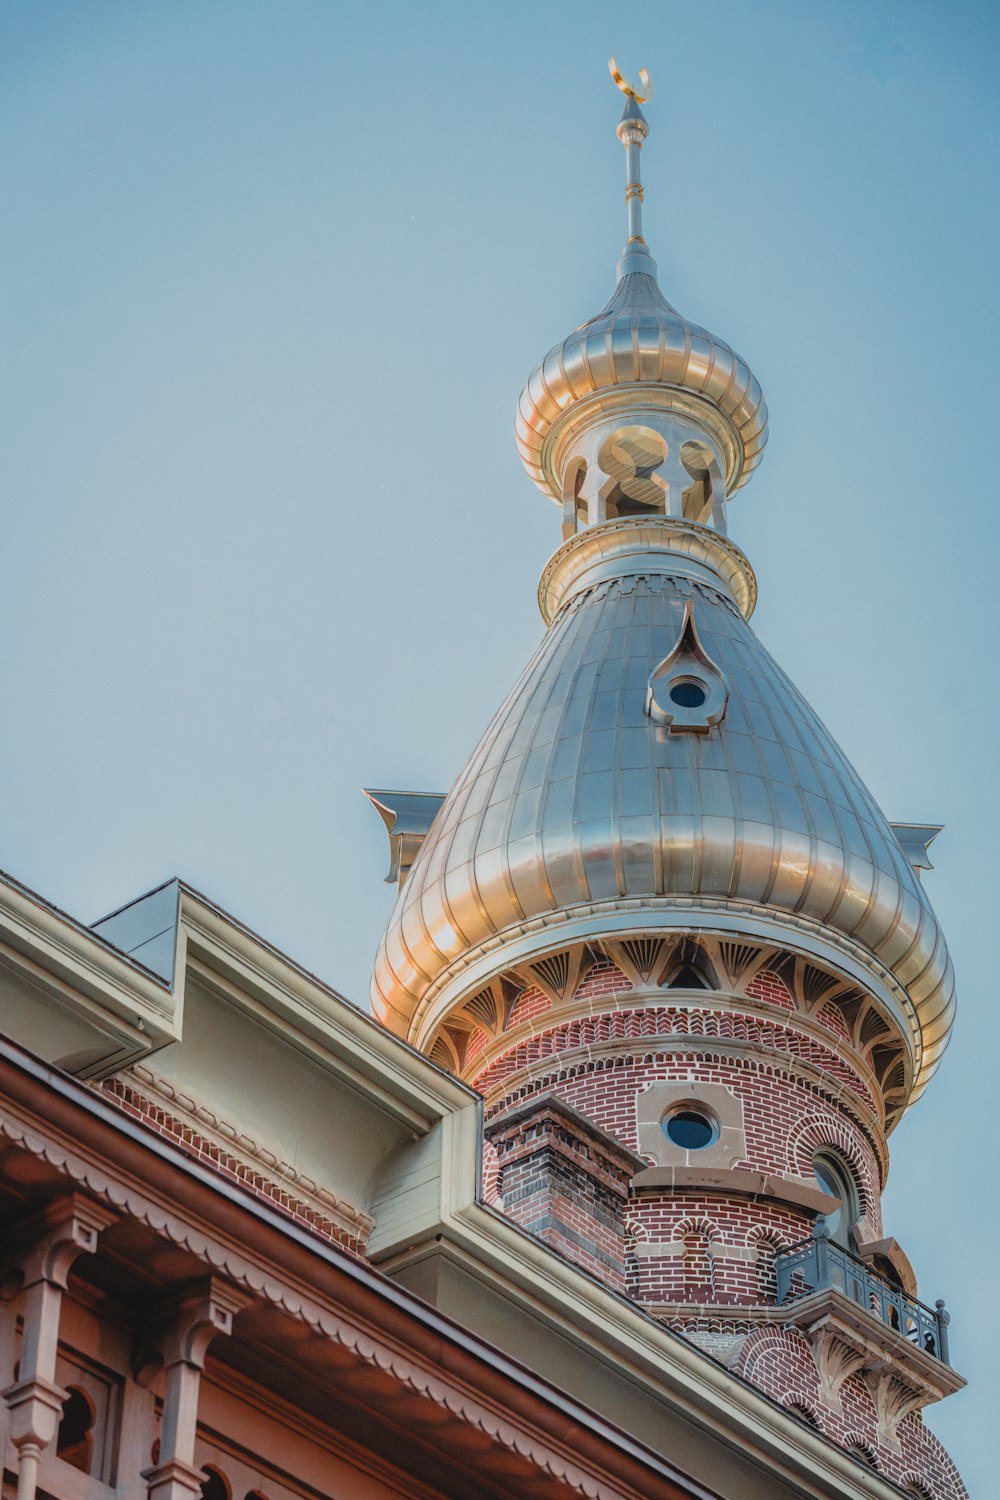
689	692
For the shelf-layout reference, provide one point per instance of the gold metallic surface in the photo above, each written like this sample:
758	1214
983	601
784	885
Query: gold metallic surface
629	89
640	338
652	545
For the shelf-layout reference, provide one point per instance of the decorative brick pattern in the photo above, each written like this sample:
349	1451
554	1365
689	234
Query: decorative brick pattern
797	1092
779	1361
832	1017
771	988
637	1021
698	1255
529	1004
476	1043
741	1237
567	1183
776	1102
238	1169
603	979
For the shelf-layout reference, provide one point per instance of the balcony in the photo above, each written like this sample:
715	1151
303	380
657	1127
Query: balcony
817	1263
857	1322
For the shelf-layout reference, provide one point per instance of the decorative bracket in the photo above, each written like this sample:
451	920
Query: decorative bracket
407	817
845	1338
836	1361
893	1400
915	839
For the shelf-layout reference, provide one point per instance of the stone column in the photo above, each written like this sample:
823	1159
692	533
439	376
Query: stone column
180	1338
43	1252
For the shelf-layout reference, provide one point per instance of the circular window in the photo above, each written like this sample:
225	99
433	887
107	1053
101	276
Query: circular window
691	1129
688	693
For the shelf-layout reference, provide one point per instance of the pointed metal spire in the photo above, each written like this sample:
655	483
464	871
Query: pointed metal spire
633	129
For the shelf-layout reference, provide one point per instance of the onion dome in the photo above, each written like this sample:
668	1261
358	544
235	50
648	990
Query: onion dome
654	777
639	340
585	813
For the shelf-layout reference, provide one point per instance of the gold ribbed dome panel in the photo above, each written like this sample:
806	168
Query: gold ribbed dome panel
574	799
640	338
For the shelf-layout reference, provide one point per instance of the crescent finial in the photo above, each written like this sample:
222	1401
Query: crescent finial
642	94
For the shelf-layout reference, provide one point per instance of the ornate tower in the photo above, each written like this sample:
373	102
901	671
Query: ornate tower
659	921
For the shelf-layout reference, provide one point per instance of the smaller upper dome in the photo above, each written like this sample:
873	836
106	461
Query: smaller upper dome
643	350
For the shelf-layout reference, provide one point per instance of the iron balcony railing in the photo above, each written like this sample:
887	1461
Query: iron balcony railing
817	1263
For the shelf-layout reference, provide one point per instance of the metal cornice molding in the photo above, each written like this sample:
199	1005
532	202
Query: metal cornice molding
644	351
646	545
574	798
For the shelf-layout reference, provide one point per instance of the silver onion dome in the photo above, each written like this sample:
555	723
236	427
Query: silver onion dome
653	771
639	340
639	337
579	815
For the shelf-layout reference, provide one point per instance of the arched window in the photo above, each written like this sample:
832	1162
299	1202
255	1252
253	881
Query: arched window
834	1178
214	1486
75	1438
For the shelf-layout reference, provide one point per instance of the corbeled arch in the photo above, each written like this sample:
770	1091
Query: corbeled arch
698	1237
697	1224
863	1451
804	1410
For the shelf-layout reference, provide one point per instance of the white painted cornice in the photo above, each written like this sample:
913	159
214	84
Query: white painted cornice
128	1012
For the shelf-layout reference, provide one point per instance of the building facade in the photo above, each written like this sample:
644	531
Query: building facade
592	1207
662	926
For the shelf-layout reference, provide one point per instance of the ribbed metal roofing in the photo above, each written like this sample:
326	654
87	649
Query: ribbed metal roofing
574	801
640	338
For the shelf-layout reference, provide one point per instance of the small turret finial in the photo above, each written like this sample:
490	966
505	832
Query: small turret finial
632	131
629	89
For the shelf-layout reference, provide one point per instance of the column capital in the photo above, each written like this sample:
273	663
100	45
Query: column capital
44	1246
35	1407
187	1320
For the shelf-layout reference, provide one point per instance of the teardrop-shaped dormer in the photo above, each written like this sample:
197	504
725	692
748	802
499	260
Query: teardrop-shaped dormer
687	693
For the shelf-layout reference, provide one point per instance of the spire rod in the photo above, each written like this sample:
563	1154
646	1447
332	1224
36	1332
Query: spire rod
632	131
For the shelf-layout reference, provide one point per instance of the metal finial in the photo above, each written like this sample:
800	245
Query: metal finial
632	131
629	88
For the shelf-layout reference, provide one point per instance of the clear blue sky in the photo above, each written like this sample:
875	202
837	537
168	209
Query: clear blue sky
271	278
